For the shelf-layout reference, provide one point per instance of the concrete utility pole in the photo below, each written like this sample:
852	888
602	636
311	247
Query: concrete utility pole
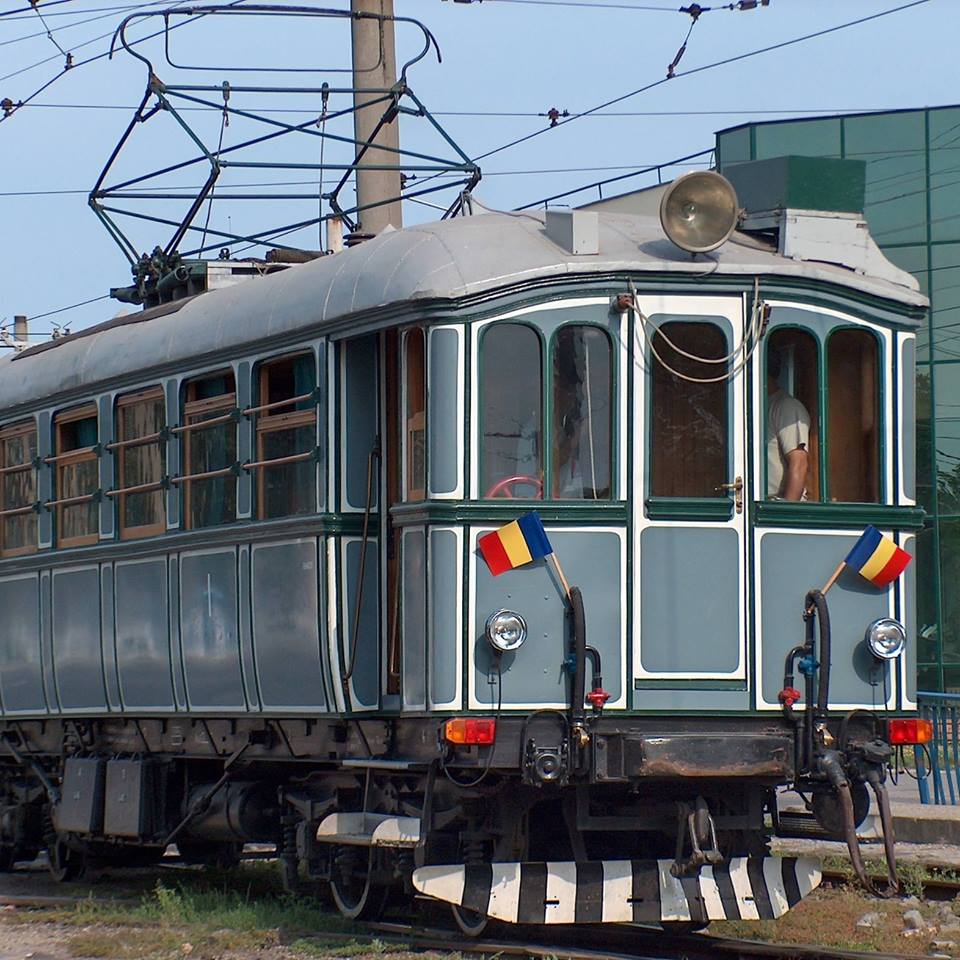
373	46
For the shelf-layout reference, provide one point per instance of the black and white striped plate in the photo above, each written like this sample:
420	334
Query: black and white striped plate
623	891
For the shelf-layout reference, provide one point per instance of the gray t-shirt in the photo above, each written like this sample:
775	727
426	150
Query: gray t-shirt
788	427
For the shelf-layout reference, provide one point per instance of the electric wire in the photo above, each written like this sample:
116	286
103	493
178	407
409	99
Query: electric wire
524	114
9	112
80	23
50	35
708	66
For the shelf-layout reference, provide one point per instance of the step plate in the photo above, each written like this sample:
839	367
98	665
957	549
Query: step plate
623	891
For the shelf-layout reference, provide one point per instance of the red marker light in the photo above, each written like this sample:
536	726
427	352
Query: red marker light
470	731
908	732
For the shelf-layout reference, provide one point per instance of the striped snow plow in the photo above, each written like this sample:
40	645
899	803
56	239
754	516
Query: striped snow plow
623	891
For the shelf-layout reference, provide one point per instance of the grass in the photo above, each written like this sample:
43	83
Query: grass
912	875
201	916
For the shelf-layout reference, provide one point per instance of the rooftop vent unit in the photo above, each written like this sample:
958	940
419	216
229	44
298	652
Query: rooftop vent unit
811	208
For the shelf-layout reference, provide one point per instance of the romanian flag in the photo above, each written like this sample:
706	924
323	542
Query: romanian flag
877	558
515	544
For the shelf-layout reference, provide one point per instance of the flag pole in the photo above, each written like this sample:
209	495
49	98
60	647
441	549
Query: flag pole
559	569
833	578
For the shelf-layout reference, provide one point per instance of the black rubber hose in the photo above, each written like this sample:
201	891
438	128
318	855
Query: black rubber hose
579	630
817	601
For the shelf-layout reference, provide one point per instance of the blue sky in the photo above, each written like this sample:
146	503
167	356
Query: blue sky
499	56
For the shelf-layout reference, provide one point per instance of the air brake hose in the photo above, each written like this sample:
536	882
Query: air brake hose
886	824
815	601
579	630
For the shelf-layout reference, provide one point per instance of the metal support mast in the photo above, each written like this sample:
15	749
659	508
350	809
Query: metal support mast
375	70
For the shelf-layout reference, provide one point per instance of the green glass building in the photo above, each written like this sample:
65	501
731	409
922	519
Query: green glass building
913	209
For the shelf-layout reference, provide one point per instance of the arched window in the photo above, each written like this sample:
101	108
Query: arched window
511	398
792	416
689	419
415	417
854	417
582	414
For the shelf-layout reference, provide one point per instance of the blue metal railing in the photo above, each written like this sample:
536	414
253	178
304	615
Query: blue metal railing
938	766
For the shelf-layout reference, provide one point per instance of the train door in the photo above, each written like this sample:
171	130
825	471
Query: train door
690	536
355	634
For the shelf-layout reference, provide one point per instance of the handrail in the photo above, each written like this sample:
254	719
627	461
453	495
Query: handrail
203	424
91	451
280	461
138	488
17	511
73	501
209	475
312	395
157	437
18	468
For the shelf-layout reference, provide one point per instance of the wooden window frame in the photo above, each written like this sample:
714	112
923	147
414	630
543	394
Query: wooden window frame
9	432
150	529
71	458
193	409
270	422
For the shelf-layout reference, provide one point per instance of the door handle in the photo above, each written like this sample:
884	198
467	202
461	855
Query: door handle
736	488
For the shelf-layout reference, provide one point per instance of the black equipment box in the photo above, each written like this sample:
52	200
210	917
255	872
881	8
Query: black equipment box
81	797
129	799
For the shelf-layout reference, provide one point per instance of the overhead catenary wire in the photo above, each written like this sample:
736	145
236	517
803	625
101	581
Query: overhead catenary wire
704	67
10	110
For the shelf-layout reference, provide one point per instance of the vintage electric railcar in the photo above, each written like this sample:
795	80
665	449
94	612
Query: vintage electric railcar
241	597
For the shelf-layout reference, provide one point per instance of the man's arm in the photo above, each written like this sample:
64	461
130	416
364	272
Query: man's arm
796	474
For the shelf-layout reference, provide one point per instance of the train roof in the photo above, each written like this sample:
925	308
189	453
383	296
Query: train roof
431	263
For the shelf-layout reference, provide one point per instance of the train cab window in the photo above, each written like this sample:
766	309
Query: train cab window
286	425
689	428
511	376
415	418
582	398
792	415
77	477
853	429
140	451
18	489
209	451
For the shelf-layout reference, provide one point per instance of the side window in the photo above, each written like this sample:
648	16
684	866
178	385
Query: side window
853	427
792	416
286	425
415	416
141	462
511	376
18	489
689	429
77	477
582	411
209	451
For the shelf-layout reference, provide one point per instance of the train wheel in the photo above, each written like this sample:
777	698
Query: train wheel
471	923
63	863
356	897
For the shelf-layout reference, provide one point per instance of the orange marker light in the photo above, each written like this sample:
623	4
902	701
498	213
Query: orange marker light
470	731
907	732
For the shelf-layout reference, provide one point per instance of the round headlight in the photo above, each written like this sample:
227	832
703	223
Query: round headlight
506	631
886	638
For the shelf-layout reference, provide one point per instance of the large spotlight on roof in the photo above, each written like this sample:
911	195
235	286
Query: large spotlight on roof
699	211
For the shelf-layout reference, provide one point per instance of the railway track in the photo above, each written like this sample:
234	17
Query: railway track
627	942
